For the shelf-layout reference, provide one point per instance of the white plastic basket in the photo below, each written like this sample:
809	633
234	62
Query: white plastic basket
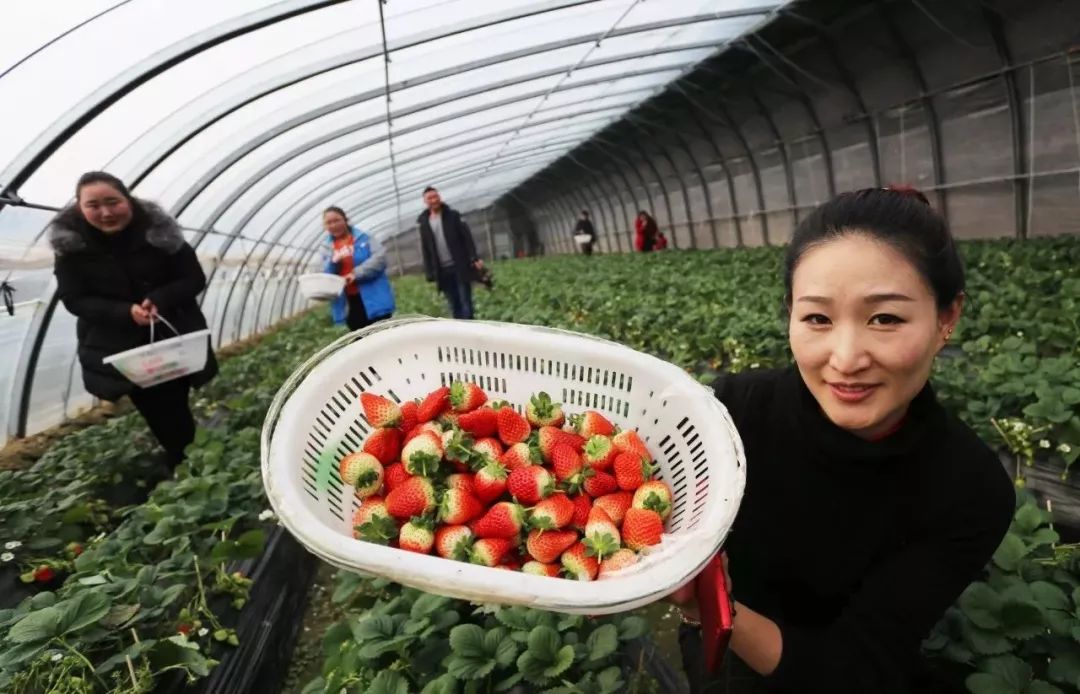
321	286
316	419
164	360
582	239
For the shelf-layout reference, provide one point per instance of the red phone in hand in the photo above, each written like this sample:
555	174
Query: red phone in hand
714	604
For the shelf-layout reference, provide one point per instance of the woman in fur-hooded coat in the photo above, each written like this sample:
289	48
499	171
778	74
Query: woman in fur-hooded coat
120	261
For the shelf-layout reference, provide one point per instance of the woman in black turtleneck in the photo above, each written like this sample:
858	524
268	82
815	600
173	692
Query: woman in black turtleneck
868	508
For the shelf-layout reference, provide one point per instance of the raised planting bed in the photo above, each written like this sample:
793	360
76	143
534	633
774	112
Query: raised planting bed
151	598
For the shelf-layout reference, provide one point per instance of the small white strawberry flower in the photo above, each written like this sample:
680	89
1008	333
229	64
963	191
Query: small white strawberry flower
266	515
1064	448
57	657
1044	444
7	556
14	544
203	632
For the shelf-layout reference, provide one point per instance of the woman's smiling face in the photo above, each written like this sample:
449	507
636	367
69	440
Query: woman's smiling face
864	329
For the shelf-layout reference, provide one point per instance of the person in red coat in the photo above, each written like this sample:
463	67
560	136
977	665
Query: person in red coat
646	232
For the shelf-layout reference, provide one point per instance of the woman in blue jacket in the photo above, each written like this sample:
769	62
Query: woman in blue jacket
361	260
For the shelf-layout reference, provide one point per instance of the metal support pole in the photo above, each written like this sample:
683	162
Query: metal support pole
1016	119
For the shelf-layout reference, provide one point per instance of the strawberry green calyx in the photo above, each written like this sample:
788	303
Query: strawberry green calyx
379	530
542	411
601	545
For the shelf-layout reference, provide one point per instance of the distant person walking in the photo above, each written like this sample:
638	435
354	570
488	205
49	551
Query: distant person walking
449	253
585	228
122	263
361	260
646	232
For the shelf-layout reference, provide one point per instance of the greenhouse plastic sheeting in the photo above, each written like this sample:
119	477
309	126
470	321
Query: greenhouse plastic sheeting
244	119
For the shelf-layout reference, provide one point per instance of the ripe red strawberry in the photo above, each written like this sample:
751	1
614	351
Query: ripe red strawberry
579	564
602	538
513	428
408	415
530	485
654	495
489	551
591	423
380	411
466	397
566	462
422	455
631	471
599	484
503	520
616	504
641	528
481	422
630	442
417	535
520	455
510	565
547	546
44	574
536	568
549	437
542	411
582	505
458	507
620	560
462	481
454	542
420	429
372	522
599	453
486	451
552	513
394	475
384	444
489	483
436	402
362	471
414	497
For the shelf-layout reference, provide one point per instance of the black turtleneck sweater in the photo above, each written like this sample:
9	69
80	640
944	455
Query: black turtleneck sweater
856	548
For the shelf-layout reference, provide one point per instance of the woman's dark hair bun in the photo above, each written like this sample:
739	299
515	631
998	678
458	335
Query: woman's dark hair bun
910	191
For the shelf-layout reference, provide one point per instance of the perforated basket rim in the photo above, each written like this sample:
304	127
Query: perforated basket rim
688	552
178	342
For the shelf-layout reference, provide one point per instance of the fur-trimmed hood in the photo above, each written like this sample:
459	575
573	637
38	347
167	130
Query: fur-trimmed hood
67	231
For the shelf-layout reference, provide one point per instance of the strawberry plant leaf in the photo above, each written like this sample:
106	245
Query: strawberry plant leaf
1013	670
985	641
506	652
632	627
544	643
1010	552
427	605
1042	687
564	658
467	640
610	680
37	627
1050	596
981	604
603	642
983	683
446	684
1021	620
388	682
508	683
1029	517
1064	668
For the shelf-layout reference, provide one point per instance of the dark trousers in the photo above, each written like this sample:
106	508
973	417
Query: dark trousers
356	318
458	293
167	412
586	248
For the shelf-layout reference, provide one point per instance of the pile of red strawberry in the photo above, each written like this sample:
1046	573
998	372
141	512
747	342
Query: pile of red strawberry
478	481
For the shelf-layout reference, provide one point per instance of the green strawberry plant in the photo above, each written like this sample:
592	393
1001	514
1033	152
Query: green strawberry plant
1019	627
399	639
